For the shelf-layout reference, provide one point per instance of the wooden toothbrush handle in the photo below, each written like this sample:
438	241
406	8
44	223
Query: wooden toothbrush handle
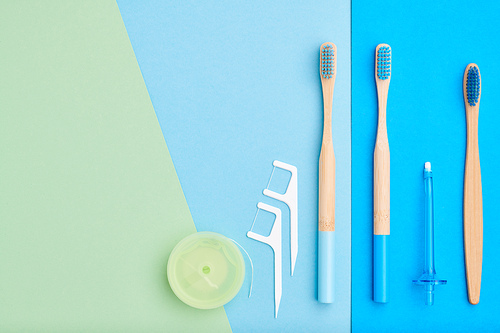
327	185
473	212
381	185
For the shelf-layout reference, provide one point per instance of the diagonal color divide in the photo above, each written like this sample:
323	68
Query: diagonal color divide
90	202
236	85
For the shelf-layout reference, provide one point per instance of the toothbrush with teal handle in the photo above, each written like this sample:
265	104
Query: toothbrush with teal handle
326	218
473	198
381	178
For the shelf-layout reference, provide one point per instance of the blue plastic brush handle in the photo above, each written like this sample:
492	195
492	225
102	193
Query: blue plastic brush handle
326	266
380	268
429	223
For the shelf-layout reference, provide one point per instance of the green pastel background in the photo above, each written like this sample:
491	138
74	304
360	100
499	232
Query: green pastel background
90	202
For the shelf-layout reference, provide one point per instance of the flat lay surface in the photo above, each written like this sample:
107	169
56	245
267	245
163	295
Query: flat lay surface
90	201
128	126
431	47
235	86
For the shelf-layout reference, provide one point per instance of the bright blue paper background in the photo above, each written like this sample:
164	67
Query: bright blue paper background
236	85
432	43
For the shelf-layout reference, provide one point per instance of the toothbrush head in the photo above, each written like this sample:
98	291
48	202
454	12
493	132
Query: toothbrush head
472	85
327	61
383	62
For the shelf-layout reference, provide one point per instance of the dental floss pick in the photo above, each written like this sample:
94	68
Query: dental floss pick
274	241
290	198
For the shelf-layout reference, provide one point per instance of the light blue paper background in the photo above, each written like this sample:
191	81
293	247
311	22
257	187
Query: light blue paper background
432	43
235	85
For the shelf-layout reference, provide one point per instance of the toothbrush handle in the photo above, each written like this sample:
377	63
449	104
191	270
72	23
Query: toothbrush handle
381	215
473	212
326	225
381	186
327	188
326	266
380	268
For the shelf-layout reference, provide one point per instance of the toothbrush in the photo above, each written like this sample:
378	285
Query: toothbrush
473	199
381	178
326	218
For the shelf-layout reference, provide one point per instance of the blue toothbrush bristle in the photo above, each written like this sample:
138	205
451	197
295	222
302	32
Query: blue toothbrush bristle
384	62
473	86
327	61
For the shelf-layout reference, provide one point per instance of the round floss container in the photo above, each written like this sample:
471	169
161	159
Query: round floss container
206	270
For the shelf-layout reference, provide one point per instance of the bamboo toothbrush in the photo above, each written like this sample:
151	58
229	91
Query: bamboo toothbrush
473	198
381	177
326	218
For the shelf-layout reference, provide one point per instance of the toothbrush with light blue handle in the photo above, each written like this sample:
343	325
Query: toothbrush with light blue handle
326	216
381	179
